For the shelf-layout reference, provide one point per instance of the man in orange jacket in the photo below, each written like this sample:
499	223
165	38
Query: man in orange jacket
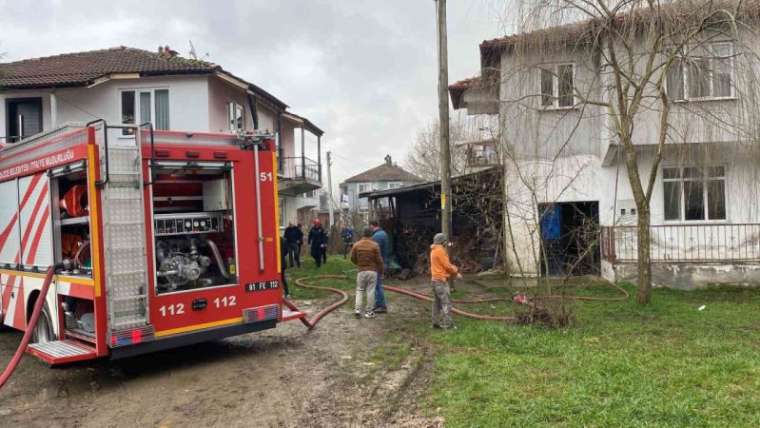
440	271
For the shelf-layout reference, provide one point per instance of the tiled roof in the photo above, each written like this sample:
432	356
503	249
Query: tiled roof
384	172
705	12
77	69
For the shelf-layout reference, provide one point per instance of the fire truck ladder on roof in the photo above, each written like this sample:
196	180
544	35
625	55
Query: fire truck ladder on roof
126	268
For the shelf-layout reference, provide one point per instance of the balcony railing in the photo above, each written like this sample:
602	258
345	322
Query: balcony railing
300	168
482	159
692	243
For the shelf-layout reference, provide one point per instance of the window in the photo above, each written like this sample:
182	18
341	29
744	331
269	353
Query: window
127	111
24	117
707	74
150	105
694	193
363	188
235	117
558	86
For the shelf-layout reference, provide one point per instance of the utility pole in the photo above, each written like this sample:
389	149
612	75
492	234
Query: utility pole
443	118
330	190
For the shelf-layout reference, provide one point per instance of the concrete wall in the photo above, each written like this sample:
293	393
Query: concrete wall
689	276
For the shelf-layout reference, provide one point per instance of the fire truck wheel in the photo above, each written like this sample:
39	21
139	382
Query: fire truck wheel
43	331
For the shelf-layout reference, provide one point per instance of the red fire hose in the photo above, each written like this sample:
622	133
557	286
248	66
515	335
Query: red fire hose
29	328
310	324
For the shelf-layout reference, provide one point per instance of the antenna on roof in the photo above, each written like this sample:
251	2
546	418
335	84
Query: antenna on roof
192	52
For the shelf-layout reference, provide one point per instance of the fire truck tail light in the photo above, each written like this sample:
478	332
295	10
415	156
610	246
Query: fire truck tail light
132	336
261	313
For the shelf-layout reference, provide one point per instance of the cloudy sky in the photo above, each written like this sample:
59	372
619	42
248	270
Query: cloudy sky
364	71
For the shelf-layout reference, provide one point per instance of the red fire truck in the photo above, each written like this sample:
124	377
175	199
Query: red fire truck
160	239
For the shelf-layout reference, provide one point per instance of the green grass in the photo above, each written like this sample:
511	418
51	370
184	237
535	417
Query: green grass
620	364
336	265
667	364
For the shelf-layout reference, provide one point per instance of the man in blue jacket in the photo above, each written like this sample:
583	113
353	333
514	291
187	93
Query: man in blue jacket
381	238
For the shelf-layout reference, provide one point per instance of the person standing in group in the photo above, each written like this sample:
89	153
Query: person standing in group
324	246
440	271
347	234
292	247
299	235
365	254
283	266
317	242
381	238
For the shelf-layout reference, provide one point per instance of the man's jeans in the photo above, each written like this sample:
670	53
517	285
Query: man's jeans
294	254
442	305
379	293
365	285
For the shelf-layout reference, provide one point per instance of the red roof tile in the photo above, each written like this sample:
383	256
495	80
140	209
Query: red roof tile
77	69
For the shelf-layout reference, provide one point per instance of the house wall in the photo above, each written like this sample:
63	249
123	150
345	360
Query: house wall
188	102
351	190
556	156
533	132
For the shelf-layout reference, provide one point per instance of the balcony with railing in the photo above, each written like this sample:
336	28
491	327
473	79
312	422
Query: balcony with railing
299	175
685	243
299	172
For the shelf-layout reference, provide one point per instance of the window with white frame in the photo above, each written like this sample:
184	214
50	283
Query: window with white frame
707	73
558	86
363	188
147	105
235	117
694	193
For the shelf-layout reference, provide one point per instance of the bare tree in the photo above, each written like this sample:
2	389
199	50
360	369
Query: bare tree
423	159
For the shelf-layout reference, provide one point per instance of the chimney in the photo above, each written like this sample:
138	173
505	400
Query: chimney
166	52
388	160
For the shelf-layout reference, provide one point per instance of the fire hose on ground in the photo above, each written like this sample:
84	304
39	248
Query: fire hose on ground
11	367
310	324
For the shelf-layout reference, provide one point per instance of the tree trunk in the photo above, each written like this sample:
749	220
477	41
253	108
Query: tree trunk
643	295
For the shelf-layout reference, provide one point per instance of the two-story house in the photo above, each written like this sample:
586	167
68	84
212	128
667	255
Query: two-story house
566	176
382	177
127	86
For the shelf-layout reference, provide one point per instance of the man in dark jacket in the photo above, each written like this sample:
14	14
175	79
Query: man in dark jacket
381	238
283	265
293	236
317	242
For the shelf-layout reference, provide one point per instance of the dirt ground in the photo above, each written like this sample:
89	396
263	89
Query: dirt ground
342	374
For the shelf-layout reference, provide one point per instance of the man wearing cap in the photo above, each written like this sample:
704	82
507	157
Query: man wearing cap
440	271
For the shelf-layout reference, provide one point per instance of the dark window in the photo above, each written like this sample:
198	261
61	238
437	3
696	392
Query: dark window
694	199
675	82
128	110
694	193
566	88
547	88
24	117
716	199
672	200
709	72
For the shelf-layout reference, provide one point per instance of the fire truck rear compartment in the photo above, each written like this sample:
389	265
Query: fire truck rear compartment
193	228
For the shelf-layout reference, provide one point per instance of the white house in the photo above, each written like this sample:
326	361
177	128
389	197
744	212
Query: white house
566	179
382	177
132	86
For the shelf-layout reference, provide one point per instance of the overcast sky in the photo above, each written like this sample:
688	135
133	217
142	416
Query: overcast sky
364	71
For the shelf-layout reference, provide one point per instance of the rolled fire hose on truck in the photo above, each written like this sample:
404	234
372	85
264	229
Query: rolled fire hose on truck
11	367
